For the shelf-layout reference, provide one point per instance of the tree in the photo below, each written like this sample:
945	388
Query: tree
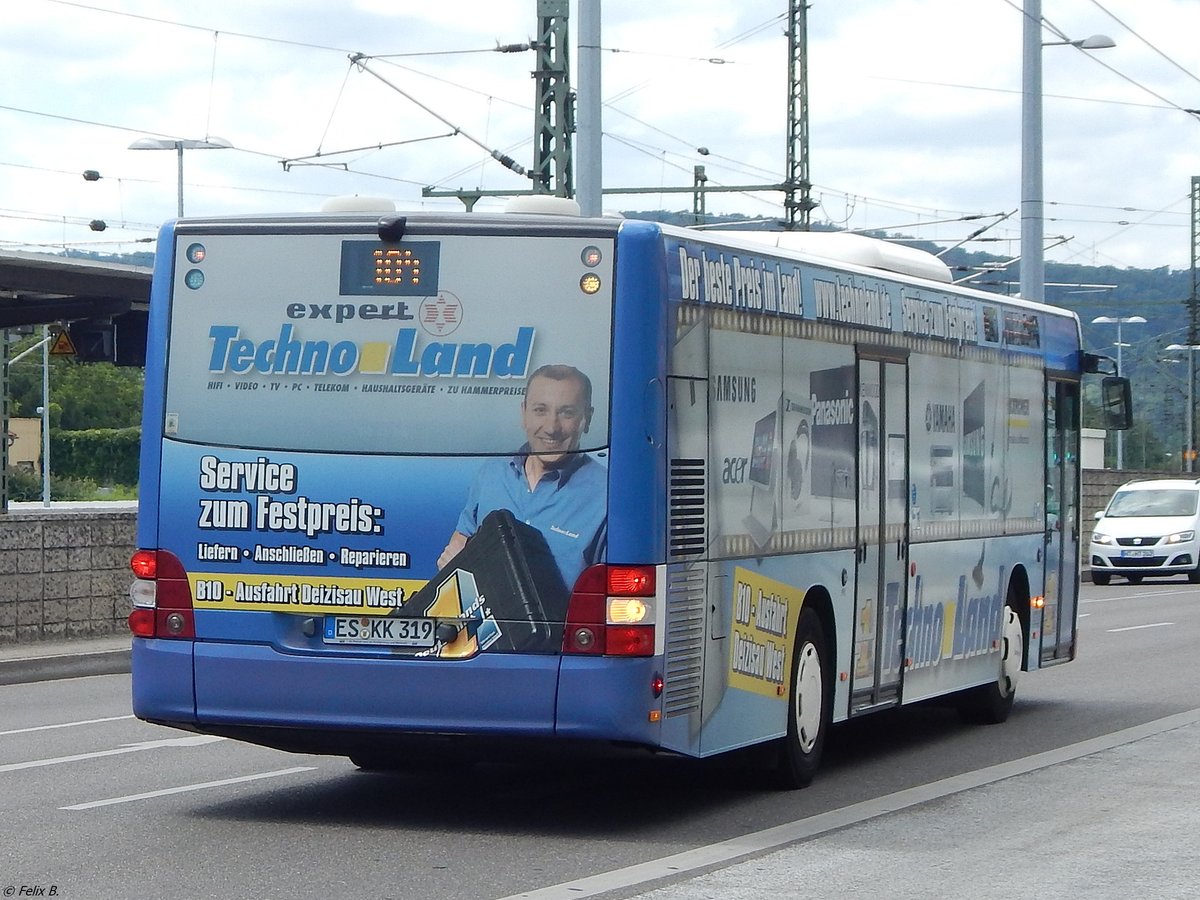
95	417
82	395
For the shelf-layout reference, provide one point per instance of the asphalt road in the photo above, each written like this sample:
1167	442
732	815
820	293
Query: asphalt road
98	804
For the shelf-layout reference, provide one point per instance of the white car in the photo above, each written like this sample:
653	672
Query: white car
1149	528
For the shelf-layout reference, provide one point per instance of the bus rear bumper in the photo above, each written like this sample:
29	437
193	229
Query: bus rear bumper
337	703
162	680
254	684
257	685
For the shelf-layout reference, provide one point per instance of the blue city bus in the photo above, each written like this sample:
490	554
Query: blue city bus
442	482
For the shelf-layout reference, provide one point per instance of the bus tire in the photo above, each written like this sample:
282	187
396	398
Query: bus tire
1100	578
798	754
990	704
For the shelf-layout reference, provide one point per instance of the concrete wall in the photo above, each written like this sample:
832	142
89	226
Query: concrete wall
64	573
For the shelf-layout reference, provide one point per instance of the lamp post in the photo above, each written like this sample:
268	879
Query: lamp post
1189	452
1119	321
179	145
1033	265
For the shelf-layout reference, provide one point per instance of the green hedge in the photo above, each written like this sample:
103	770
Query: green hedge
102	455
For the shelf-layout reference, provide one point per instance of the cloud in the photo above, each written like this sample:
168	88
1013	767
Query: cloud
914	110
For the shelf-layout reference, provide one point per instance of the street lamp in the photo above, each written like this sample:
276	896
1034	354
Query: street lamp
1033	265
179	145
1189	452
1119	321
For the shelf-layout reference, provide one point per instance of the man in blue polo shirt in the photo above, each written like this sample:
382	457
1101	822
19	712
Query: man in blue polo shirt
548	483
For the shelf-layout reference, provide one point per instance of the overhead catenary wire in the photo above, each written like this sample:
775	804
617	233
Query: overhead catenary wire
1062	36
1186	71
507	161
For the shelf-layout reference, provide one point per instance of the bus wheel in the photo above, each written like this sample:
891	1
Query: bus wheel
799	753
1100	578
990	704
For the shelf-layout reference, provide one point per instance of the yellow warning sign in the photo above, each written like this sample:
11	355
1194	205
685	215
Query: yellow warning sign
62	345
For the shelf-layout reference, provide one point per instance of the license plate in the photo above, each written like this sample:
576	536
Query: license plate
1136	554
381	630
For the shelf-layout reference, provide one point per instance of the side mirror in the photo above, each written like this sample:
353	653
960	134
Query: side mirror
1098	516
1117	402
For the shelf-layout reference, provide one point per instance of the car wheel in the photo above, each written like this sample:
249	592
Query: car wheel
990	704
1134	579
1194	575
1100	578
798	754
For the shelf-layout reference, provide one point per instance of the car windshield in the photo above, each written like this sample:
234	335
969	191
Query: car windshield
1158	502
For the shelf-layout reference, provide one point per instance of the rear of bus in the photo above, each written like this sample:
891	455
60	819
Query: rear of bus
331	404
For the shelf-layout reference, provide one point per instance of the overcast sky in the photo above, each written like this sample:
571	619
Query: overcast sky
915	112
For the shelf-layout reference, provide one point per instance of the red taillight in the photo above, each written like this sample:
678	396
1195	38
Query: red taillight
631	581
161	595
601	618
141	622
145	564
629	640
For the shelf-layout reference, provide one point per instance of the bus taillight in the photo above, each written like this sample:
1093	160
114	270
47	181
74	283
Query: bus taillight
631	581
611	612
162	599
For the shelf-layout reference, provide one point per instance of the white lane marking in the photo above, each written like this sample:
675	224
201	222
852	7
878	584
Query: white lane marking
128	748
64	725
189	787
691	862
1139	627
1141	595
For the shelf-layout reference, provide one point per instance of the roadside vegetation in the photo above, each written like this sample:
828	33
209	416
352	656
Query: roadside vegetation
95	426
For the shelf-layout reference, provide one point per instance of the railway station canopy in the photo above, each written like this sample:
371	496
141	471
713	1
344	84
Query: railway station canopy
103	304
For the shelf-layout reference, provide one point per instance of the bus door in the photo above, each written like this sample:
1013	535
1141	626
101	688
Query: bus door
882	548
1062	522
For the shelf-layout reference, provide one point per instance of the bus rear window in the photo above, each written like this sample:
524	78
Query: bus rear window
331	342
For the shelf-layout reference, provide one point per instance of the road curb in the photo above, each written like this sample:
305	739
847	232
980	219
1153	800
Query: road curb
23	670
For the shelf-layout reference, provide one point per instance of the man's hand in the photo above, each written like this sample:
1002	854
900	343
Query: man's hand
458	540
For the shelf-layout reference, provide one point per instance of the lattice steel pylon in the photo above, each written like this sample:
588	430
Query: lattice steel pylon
797	201
554	114
1193	334
1194	297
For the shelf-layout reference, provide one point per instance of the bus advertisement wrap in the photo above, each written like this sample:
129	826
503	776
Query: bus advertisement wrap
423	429
590	479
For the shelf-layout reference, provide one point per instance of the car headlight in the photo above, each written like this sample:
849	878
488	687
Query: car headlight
1180	536
1098	538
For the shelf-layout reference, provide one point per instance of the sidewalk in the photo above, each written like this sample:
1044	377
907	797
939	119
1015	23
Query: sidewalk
49	660
1111	817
